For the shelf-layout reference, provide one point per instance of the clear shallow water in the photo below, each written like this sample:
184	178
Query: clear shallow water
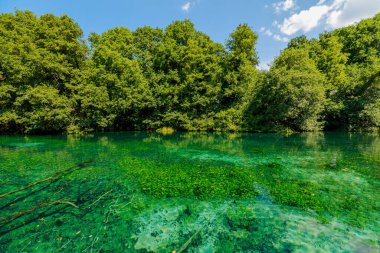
146	192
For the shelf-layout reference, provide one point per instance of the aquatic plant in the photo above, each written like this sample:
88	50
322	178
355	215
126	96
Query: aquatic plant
189	194
166	130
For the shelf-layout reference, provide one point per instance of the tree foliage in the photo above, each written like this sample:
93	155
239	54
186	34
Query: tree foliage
292	95
51	80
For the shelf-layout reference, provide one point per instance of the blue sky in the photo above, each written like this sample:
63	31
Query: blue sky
276	21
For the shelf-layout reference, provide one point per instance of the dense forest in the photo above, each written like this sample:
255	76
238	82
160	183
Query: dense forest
54	81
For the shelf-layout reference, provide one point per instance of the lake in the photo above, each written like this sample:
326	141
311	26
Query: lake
190	192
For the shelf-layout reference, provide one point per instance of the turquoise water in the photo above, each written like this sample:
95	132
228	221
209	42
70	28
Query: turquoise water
190	192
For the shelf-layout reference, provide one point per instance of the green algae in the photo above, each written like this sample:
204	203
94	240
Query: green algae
152	193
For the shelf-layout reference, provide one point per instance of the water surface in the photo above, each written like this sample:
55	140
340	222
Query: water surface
191	192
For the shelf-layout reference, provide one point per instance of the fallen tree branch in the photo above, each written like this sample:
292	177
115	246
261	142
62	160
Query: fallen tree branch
38	206
187	243
97	199
52	177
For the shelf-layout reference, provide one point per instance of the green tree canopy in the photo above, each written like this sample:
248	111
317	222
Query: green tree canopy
292	95
150	78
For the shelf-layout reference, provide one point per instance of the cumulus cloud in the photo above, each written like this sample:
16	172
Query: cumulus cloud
306	20
337	13
280	38
277	37
186	7
284	5
268	33
352	11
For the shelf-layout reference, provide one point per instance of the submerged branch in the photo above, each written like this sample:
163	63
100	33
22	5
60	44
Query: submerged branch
56	175
38	206
98	199
187	243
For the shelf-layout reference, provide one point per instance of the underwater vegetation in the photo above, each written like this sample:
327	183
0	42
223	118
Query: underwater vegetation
149	192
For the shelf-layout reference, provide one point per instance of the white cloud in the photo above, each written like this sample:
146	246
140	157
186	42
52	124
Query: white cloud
337	13
186	6
336	4
280	38
277	37
285	5
268	32
352	11
306	20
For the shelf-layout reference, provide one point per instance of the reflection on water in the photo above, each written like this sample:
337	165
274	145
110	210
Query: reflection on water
190	192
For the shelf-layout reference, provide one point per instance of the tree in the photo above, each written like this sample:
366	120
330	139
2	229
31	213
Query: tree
40	50
51	81
115	67
240	78
358	84
292	95
188	70
361	41
332	61
91	105
38	54
8	117
42	109
362	102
